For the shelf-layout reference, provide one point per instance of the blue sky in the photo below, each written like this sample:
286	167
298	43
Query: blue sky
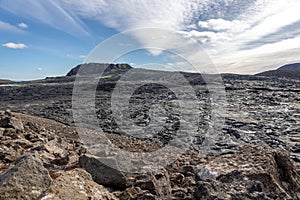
47	38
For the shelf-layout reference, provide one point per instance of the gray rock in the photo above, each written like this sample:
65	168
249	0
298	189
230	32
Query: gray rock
28	179
101	173
255	172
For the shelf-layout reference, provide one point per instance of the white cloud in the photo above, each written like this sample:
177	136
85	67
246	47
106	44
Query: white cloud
4	26
224	25
230	42
13	45
207	36
39	69
82	56
271	18
23	25
131	14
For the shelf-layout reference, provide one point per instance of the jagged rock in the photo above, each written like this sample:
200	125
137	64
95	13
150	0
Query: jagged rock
28	179
59	148
76	184
254	172
8	155
157	183
214	190
129	193
103	174
25	144
8	120
11	122
177	177
205	174
136	193
148	196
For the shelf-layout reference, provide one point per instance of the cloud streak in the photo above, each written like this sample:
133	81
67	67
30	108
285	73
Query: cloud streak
47	12
131	14
12	45
4	26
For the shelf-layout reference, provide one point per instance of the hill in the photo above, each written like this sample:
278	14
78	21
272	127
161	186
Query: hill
286	71
294	66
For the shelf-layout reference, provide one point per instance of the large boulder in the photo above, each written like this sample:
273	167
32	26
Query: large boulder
28	179
103	174
256	172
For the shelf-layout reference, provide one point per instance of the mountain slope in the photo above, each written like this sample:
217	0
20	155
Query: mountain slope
287	71
294	66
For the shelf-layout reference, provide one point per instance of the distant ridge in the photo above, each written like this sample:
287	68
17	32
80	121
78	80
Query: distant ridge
286	71
4	81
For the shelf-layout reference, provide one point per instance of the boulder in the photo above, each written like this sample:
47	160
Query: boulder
101	173
28	179
255	172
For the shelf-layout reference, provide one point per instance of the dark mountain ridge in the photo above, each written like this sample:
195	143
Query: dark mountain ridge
294	66
286	71
96	68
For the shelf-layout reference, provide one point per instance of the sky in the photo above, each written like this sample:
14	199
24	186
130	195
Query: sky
48	38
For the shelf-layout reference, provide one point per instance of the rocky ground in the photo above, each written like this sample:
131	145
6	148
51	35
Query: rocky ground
256	108
257	155
44	159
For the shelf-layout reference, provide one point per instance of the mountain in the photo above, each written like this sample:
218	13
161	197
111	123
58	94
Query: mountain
96	68
287	71
294	66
